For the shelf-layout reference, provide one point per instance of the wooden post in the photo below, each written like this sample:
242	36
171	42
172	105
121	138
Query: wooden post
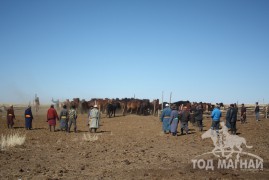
162	100
170	99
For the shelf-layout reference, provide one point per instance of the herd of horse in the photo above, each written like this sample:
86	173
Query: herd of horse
130	105
110	106
127	106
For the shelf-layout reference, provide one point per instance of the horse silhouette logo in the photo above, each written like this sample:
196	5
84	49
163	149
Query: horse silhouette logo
226	145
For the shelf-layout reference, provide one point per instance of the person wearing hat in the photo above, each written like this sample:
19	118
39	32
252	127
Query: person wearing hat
10	117
94	118
52	116
174	120
243	114
165	118
28	118
64	118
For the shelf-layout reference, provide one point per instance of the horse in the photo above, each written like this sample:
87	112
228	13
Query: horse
133	105
111	109
144	107
155	104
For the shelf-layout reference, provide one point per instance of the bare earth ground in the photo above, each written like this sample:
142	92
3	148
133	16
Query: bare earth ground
128	147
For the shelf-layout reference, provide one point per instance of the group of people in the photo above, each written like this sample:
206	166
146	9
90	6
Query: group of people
172	116
67	118
231	116
11	117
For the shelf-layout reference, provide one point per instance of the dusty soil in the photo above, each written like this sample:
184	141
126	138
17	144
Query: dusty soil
128	147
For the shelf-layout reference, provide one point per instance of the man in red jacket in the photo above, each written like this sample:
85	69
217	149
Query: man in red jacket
51	117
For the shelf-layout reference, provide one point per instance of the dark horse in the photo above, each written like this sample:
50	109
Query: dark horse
144	107
111	109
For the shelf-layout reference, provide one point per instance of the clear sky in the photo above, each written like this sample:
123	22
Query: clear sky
200	50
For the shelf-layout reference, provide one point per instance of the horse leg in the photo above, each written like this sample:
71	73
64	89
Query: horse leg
123	110
109	113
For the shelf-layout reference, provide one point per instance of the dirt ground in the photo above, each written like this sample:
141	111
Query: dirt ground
128	147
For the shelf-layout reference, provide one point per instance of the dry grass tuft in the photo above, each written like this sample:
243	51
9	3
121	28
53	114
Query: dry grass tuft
89	137
11	140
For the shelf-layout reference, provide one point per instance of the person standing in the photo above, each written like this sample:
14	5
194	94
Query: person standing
228	124
64	119
192	114
216	115
236	112
28	118
10	117
243	114
174	120
165	118
72	118
198	115
94	118
184	117
231	118
52	116
257	111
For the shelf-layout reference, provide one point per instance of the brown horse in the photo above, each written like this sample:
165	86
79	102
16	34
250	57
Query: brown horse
133	105
155	104
123	106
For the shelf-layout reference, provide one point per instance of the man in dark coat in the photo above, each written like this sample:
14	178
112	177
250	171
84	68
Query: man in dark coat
231	118
184	117
243	114
198	115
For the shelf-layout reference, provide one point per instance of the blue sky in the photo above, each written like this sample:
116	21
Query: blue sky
210	51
